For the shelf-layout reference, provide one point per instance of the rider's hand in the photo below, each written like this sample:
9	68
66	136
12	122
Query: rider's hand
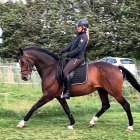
60	53
68	56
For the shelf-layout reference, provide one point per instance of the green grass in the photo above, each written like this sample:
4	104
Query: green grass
50	122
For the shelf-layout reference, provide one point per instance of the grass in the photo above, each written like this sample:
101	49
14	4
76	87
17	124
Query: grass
50	122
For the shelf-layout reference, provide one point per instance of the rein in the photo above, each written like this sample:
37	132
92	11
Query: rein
45	67
30	66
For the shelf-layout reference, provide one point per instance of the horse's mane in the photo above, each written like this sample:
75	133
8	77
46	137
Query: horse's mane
44	50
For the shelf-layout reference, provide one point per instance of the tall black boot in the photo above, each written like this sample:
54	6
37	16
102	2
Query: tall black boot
66	88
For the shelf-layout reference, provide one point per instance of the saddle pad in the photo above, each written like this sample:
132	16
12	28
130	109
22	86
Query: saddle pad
80	75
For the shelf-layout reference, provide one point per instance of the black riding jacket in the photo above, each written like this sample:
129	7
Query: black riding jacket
78	46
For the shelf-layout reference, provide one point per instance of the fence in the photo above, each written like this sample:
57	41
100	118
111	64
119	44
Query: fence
10	74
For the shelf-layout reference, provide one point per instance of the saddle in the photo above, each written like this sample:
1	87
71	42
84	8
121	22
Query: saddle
77	76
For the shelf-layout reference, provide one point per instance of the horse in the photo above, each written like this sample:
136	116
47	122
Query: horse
103	77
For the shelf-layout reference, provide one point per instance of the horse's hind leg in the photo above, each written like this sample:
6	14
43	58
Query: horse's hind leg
67	110
126	107
105	105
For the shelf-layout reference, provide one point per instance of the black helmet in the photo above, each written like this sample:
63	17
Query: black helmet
82	22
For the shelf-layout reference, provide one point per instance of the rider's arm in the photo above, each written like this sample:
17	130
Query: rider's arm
66	49
81	46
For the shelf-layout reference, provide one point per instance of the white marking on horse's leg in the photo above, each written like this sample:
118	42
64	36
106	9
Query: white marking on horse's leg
21	124
129	128
70	127
93	120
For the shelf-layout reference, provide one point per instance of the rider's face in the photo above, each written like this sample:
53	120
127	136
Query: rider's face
79	28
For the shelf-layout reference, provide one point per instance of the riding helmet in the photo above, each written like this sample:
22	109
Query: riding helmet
82	22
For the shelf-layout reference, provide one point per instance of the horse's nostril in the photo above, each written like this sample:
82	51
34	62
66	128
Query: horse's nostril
24	78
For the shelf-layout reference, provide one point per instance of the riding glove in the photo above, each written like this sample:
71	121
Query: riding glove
60	53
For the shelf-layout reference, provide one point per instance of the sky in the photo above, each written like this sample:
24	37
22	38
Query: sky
0	35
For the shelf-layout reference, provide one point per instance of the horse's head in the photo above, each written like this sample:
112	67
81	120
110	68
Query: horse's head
26	64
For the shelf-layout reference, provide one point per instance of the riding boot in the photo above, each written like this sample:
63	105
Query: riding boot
66	90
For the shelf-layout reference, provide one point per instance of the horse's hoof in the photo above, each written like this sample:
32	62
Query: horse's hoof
129	129
70	127
91	125
92	122
21	124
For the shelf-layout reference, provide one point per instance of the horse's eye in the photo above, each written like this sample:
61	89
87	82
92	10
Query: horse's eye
22	62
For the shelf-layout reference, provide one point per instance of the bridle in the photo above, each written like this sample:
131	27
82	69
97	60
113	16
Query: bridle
29	66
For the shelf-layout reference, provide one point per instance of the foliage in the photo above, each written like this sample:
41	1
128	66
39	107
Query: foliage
114	26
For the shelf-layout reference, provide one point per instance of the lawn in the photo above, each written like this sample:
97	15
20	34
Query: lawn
50	122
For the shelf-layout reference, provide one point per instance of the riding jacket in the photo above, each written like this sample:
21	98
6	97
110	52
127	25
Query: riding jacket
78	46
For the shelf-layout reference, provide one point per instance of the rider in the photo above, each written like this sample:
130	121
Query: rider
76	53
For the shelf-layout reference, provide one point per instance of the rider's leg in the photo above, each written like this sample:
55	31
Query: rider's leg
73	63
66	90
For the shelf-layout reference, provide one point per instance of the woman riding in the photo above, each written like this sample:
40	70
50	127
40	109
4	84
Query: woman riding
76	53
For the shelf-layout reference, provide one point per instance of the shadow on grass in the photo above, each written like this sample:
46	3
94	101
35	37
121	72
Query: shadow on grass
57	110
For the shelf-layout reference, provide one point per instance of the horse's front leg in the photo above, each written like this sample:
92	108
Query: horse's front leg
43	100
67	110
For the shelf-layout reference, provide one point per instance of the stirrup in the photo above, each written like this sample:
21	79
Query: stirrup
66	95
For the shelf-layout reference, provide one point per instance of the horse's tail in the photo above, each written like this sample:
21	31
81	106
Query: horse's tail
130	78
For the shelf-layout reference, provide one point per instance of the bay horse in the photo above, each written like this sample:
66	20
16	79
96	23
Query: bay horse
103	77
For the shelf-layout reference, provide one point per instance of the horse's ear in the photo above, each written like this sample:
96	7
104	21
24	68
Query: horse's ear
16	52
21	51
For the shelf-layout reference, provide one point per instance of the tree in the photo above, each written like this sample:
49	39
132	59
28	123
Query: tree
114	25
